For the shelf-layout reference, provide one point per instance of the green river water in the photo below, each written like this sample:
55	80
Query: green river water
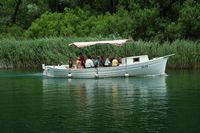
30	103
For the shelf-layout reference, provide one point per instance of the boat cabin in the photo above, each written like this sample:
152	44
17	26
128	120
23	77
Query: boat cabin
135	59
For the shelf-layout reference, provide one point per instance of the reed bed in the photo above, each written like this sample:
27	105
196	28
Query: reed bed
30	54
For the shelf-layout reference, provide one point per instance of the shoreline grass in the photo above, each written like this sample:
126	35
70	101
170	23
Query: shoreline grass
30	54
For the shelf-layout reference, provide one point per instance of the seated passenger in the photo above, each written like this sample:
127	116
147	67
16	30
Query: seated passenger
71	62
115	62
79	63
97	62
120	60
89	63
107	62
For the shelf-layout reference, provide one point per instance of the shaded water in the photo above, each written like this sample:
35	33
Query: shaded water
30	103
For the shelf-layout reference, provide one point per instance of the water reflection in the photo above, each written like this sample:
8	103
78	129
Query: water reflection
143	88
117	101
142	82
141	85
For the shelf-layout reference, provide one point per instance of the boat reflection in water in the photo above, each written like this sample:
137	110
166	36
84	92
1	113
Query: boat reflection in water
145	88
122	83
117	102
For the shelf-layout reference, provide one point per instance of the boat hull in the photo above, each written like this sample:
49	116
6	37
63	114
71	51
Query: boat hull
155	66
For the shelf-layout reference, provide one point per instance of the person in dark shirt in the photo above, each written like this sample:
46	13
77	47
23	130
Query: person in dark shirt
71	62
97	62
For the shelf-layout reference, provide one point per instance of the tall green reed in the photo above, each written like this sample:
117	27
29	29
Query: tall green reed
32	53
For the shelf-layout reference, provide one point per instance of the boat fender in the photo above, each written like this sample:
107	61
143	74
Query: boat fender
69	75
126	74
43	66
96	75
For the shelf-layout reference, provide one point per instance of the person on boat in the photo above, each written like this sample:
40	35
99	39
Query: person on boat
97	62
101	61
89	63
82	58
71	62
107	62
115	62
79	64
120	60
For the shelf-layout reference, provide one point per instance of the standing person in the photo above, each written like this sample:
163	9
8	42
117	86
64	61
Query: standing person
82	58
89	63
78	63
71	62
101	61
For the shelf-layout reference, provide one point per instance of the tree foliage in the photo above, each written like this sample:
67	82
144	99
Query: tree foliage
139	19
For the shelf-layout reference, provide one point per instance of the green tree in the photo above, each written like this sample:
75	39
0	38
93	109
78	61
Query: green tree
189	19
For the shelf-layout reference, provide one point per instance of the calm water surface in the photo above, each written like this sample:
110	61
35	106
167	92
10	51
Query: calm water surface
162	104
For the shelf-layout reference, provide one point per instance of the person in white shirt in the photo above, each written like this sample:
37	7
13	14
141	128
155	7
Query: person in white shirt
89	63
107	62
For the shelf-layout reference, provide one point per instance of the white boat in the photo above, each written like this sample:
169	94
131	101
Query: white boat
130	66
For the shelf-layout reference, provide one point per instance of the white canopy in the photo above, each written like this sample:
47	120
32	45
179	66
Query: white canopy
86	44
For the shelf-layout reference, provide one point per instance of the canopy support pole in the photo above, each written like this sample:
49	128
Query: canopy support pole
126	73
97	71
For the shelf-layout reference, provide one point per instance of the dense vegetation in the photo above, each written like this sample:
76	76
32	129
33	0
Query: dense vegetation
33	32
33	53
139	19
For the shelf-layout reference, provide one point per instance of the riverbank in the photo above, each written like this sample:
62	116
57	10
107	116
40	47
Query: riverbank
30	54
